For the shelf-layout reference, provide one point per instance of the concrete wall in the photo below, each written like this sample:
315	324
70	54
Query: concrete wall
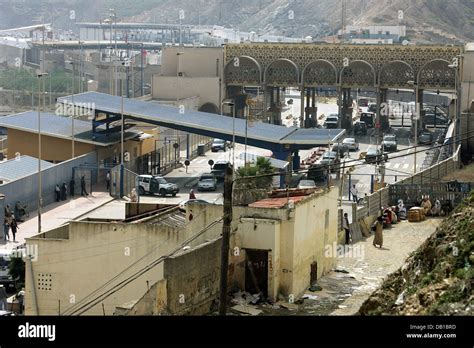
206	88
201	68
96	252
9	55
195	62
192	280
25	189
53	149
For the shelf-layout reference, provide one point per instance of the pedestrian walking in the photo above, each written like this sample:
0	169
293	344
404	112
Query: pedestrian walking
355	194
72	184
6	229
191	194
107	180
83	186
14	227
57	190
345	225
378	239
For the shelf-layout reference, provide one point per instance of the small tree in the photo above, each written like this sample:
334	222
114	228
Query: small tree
261	167
17	270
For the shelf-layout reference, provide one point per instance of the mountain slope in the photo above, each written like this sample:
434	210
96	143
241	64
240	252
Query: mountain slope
296	18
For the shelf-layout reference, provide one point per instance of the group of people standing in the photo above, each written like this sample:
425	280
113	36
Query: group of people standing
9	223
62	190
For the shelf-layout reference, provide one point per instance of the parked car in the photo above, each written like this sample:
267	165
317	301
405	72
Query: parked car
368	118
207	182
360	128
218	145
219	169
351	144
390	142
363	102
331	125
425	138
332	117
317	173
341	149
331	159
149	184
305	184
375	155
440	120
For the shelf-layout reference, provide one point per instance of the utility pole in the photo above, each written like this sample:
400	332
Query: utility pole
226	228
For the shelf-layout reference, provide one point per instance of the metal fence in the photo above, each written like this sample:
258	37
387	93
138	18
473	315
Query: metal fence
375	202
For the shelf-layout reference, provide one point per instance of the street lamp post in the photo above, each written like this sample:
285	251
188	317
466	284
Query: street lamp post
455	66
178	54
40	198
416	117
233	127
73	109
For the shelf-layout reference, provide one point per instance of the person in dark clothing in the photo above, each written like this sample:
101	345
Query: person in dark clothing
63	191
83	186
57	190
347	229
14	227
107	180
8	211
72	183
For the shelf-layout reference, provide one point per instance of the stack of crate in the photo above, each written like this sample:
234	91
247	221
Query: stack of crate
416	214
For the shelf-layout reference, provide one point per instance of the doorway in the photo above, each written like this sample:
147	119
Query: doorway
256	271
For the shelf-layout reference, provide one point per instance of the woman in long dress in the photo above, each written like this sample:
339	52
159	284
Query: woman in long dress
378	239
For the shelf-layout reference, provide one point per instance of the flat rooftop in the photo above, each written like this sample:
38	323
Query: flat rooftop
61	127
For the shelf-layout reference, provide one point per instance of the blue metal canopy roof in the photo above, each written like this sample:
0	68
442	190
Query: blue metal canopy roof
261	134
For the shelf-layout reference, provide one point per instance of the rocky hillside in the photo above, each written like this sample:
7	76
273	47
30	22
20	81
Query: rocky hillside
438	278
428	20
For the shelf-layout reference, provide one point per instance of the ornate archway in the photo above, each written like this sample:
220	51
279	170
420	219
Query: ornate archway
438	74
320	72
282	73
243	71
396	73
359	73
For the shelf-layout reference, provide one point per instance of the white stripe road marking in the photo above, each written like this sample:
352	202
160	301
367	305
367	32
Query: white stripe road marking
405	166
396	166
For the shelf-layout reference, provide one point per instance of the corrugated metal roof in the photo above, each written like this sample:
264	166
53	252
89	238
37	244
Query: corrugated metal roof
276	203
20	167
60	127
169	116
